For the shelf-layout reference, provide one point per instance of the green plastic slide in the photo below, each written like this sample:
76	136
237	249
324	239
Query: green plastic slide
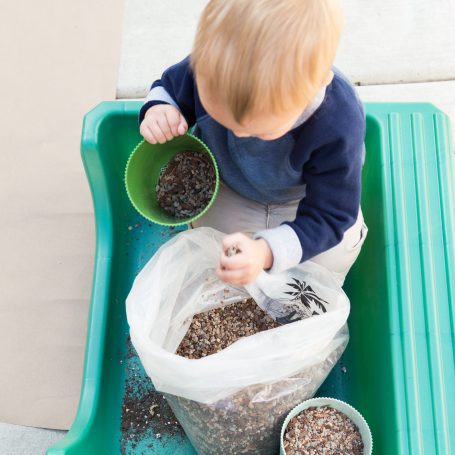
399	367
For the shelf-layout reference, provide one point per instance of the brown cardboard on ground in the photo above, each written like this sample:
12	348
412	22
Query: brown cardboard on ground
58	60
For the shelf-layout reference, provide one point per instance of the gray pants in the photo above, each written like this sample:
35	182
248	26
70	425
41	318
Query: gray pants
233	213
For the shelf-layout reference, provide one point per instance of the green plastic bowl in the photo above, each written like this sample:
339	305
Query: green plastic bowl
341	406
143	170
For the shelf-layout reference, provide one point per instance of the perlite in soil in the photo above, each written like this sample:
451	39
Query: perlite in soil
247	422
322	431
214	330
234	401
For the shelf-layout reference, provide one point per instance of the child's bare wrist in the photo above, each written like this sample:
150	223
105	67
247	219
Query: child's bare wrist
266	254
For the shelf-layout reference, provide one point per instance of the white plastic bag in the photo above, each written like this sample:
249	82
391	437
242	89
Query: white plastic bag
264	374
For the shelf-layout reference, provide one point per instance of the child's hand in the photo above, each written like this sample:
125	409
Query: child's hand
245	266
161	123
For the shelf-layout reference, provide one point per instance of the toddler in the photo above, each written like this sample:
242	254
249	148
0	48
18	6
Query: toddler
286	129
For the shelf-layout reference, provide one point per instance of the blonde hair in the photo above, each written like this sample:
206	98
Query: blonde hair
266	55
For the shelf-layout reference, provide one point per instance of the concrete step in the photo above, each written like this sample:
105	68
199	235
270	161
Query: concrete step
20	440
441	94
384	41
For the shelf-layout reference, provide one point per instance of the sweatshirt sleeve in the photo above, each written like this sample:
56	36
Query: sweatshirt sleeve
330	206
177	88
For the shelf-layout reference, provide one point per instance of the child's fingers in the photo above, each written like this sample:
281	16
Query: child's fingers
183	126
173	120
240	276
164	127
237	239
237	261
147	133
159	135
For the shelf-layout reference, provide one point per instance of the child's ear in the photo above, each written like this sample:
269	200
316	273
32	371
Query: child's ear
329	79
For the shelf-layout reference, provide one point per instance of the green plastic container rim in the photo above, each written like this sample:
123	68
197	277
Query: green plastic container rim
339	405
180	222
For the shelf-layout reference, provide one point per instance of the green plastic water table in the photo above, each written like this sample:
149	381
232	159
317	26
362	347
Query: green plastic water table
399	367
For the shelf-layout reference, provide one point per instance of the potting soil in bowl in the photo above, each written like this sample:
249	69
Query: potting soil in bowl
186	184
322	430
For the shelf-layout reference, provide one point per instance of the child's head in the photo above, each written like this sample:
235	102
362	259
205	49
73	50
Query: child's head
259	63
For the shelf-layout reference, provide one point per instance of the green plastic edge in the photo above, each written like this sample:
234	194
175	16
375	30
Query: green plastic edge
93	354
404	383
93	358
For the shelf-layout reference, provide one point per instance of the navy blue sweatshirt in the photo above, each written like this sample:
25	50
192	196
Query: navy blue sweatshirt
318	162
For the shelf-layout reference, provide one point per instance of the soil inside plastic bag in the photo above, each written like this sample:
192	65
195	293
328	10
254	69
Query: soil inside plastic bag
216	329
248	422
